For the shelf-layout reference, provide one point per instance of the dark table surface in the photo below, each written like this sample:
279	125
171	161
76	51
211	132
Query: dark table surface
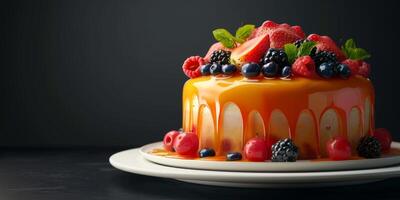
86	174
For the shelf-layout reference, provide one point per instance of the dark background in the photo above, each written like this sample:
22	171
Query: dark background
108	73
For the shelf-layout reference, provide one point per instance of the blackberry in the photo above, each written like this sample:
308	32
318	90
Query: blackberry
369	147
284	151
324	56
301	41
275	55
221	57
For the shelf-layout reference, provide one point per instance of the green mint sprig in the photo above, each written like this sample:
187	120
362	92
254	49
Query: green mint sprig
293	52
353	52
228	40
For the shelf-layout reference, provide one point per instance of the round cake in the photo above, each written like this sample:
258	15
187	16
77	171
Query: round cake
271	93
226	112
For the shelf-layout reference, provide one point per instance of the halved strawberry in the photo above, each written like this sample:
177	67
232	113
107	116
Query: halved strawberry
325	43
250	51
279	34
215	47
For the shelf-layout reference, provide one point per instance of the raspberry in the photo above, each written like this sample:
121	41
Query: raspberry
364	69
353	65
191	66
304	66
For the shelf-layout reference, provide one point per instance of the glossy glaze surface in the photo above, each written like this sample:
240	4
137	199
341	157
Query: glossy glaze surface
227	111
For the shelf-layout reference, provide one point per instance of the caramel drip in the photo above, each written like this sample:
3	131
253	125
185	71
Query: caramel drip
279	103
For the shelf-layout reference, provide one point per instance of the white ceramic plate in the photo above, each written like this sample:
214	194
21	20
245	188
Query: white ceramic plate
299	166
132	161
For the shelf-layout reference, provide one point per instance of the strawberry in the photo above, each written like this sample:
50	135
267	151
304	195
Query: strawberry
325	43
215	47
364	69
304	66
250	51
191	66
279	34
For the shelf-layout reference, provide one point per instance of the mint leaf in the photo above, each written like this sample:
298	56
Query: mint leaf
244	32
359	54
306	48
224	37
291	52
351	51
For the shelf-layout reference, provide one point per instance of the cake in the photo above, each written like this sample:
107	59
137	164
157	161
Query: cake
271	93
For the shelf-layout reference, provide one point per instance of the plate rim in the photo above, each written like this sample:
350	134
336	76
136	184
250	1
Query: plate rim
299	166
156	170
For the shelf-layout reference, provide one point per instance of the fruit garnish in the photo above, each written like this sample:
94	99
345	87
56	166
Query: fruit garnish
338	148
304	48
304	66
384	137
279	34
191	66
250	51
270	69
215	47
326	69
169	139
229	69
284	151
221	57
351	51
186	144
369	147
364	69
206	153
325	43
343	71
324	56
233	156
205	69
358	67
228	40
256	150
251	70
215	69
286	72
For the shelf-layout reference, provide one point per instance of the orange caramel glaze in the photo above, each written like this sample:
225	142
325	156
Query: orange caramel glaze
225	112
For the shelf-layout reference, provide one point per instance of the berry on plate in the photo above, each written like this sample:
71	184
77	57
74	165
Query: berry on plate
256	150
186	144
338	148
304	66
384	137
369	147
233	156
325	43
251	70
191	66
206	153
250	51
284	151
169	139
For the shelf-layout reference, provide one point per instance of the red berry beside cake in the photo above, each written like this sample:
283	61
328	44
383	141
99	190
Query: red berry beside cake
273	93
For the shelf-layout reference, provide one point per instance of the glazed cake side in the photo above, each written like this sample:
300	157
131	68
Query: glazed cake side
227	112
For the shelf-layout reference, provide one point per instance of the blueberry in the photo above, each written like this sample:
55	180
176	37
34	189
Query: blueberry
232	156
270	69
228	69
326	69
286	71
205	69
206	153
215	69
250	70
343	70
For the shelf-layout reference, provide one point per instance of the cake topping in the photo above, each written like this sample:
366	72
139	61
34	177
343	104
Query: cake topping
287	47
229	69
251	70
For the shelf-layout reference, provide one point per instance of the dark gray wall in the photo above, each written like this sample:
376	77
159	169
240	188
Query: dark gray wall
108	73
